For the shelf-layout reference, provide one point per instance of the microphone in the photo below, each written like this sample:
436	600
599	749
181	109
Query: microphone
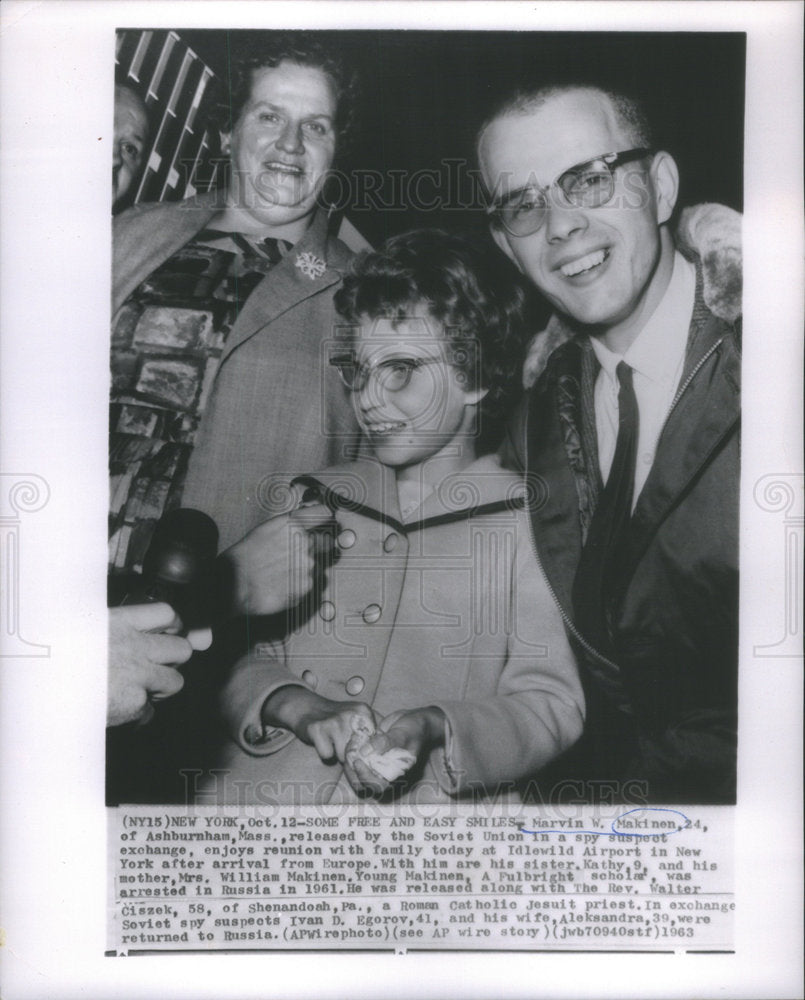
177	567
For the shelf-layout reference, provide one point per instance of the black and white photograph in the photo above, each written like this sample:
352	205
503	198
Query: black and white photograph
429	600
601	665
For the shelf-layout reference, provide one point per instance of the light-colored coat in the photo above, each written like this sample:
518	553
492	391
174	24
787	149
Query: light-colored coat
449	610
276	405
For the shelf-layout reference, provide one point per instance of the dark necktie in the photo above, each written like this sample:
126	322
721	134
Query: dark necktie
596	590
272	248
262	254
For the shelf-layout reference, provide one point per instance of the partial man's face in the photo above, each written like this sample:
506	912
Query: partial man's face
595	265
131	131
283	143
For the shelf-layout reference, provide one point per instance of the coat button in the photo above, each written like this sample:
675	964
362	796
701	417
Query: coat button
327	611
346	538
390	542
310	679
355	685
371	613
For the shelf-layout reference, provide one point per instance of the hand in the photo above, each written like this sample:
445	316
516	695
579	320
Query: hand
326	725
143	649
274	566
416	732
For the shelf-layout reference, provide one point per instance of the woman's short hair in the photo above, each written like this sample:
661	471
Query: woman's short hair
476	295
267	49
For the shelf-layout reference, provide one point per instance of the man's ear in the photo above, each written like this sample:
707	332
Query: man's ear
502	241
665	175
226	142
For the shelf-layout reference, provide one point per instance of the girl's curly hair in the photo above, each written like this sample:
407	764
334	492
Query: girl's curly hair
484	307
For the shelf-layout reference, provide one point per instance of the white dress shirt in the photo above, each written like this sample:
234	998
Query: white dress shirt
656	357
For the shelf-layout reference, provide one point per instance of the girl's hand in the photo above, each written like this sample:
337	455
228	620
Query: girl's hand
403	739
326	725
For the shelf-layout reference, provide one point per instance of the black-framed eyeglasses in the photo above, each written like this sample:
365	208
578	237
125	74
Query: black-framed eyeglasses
391	374
587	185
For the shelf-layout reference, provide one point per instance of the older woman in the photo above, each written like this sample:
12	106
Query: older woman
221	305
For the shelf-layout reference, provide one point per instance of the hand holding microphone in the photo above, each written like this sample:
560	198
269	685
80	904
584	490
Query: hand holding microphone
162	617
144	650
166	614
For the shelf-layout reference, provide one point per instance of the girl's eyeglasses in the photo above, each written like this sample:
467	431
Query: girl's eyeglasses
391	374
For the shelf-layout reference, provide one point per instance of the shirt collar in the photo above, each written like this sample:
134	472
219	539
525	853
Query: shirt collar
313	239
660	346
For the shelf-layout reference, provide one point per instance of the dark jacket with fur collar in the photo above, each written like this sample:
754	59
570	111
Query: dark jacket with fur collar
662	705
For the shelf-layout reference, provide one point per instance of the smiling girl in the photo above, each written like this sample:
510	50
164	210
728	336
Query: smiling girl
432	663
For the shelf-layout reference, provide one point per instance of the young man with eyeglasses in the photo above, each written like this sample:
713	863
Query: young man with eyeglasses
633	427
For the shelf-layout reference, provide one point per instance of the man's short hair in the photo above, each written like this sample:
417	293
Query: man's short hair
480	300
629	109
266	50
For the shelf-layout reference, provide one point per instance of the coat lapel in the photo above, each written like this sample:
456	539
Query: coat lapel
147	235
482	484
364	485
371	488
705	414
288	285
552	491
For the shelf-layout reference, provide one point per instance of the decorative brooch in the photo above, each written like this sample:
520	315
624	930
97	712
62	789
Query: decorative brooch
311	265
